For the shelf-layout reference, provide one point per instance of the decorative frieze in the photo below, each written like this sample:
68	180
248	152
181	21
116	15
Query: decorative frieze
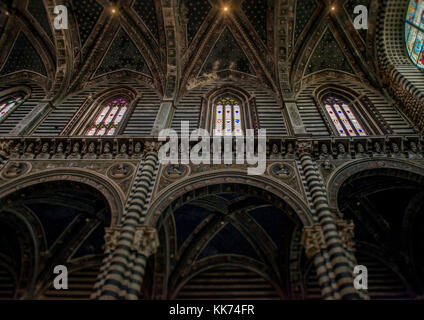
58	148
107	148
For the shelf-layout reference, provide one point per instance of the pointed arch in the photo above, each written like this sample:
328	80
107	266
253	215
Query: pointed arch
106	114
356	115
249	114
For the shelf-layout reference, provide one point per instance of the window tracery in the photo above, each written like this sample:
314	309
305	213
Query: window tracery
109	118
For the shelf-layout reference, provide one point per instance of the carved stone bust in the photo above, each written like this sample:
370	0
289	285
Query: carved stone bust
396	151
107	154
75	152
342	152
414	152
44	154
29	152
60	154
123	152
360	151
91	152
378	151
290	151
137	151
275	153
325	155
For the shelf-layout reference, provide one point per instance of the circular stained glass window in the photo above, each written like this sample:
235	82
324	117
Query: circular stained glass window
414	32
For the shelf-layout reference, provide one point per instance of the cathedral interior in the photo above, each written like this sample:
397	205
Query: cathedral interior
84	98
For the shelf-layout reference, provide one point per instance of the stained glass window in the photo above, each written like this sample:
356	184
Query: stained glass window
107	121
7	106
414	32
343	118
228	119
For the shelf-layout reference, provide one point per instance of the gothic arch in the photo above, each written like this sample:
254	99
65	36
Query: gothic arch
377	196
196	192
31	208
175	190
341	174
91	107
248	106
110	191
367	113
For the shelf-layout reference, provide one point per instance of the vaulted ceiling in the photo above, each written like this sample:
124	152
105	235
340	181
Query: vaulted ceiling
170	44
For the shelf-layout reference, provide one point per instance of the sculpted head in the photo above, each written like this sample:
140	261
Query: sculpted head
413	147
45	148
360	148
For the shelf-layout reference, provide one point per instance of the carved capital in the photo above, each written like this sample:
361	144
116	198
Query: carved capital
111	238
146	240
304	147
347	234
313	240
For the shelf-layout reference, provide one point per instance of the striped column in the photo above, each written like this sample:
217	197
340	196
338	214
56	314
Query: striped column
131	244
337	254
315	248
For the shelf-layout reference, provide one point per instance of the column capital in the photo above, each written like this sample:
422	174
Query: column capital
304	147
313	240
146	240
111	238
347	234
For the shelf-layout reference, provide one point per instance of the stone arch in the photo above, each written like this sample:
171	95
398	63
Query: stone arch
178	189
83	207
339	176
196	190
110	191
376	195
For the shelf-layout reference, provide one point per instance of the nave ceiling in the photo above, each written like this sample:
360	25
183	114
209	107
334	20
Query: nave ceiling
174	45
